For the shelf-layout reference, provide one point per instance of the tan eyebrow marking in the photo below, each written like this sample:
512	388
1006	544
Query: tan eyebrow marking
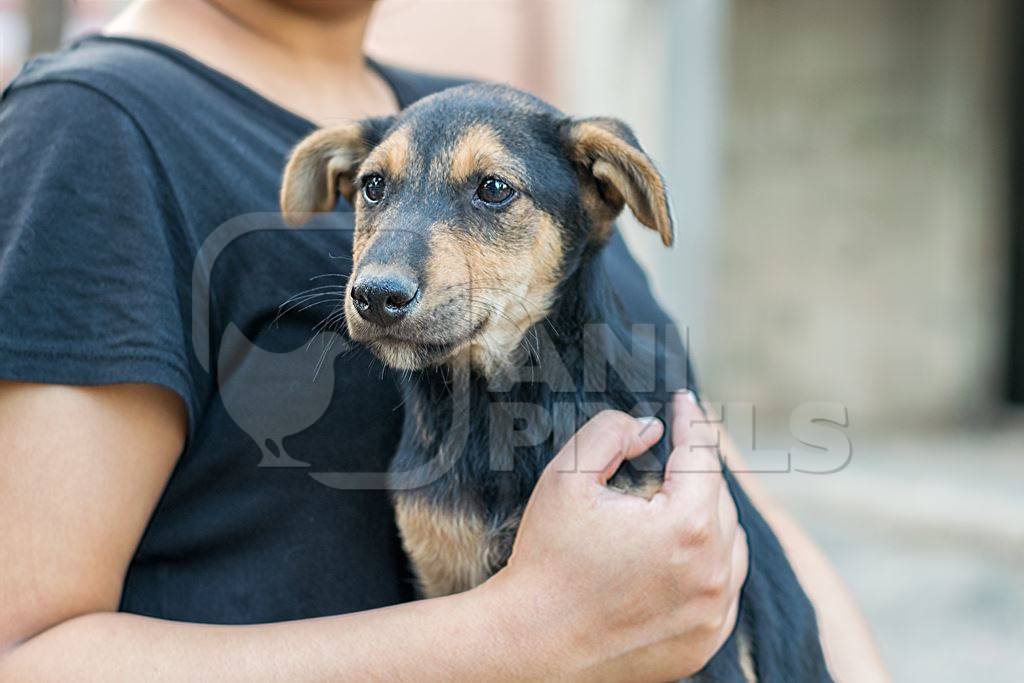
479	148
393	156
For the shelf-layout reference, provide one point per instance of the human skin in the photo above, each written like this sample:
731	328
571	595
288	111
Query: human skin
600	586
102	455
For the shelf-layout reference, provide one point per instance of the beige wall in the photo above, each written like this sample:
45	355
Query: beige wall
513	41
860	255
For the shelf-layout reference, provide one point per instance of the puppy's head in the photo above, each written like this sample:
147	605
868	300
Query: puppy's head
472	207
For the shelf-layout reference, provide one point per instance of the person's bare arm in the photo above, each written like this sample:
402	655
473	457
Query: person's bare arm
845	638
83	468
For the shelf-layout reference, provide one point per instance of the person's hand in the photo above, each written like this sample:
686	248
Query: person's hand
625	588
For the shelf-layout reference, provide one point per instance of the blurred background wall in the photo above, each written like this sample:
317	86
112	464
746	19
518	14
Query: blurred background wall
864	236
841	176
838	172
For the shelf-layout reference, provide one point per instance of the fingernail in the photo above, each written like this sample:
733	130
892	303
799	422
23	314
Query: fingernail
691	396
648	423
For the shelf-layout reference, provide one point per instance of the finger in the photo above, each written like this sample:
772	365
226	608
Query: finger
737	577
696	493
728	517
685	410
691	426
693	470
740	561
688	414
730	622
740	566
600	446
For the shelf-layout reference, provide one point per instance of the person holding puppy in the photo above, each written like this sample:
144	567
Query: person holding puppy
141	539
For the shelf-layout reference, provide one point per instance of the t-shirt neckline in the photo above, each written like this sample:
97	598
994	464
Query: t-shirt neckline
237	88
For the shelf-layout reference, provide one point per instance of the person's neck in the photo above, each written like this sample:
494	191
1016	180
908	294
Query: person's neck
307	36
308	60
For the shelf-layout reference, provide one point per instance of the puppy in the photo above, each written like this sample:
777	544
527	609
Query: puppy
481	213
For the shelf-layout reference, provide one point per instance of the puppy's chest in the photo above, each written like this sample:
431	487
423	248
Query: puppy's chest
459	522
452	546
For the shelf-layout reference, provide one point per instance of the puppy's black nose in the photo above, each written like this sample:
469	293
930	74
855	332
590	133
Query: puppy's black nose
384	299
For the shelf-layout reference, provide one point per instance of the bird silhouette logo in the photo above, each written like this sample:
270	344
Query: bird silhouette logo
269	395
274	395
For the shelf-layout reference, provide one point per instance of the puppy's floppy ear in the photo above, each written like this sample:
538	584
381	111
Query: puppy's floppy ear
608	150
324	165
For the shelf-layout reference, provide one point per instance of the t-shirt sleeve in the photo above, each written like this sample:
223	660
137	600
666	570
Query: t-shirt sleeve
92	270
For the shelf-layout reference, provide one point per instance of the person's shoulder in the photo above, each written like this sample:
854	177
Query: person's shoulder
74	105
98	87
412	85
48	106
105	64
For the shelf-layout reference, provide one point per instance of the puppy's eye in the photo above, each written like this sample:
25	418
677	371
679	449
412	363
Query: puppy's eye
494	191
373	188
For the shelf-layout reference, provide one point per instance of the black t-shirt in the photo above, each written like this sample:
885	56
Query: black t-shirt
139	243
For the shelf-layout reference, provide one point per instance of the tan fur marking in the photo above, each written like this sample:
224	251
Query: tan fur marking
517	288
601	215
649	484
628	175
525	297
479	150
451	552
318	170
393	156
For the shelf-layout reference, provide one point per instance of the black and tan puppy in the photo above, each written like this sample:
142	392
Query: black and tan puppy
480	215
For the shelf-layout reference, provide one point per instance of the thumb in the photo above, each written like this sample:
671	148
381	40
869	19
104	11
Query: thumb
595	452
